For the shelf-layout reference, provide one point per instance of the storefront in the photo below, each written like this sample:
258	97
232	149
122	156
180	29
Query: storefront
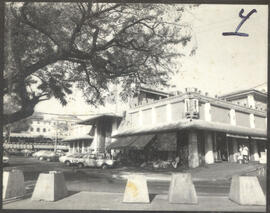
79	144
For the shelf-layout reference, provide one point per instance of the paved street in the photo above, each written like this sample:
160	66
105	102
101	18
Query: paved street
106	192
98	180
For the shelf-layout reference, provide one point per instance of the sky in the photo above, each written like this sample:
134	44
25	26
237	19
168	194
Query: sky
222	64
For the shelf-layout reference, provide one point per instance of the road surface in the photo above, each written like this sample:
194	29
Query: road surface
98	180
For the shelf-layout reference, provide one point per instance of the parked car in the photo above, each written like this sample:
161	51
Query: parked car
98	161
27	152
71	159
60	152
45	155
15	152
5	158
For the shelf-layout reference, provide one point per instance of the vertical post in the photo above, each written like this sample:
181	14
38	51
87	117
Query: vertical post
227	148
193	158
215	146
56	137
235	150
209	155
73	148
100	136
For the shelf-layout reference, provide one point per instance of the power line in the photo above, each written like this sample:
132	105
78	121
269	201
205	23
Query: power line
258	85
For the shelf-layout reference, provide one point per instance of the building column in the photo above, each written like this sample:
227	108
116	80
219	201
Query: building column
232	117
251	121
254	155
154	115
83	147
193	156
251	101
209	155
207	111
73	148
140	118
233	156
100	126
215	146
169	112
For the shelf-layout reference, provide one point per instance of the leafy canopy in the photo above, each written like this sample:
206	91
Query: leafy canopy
50	48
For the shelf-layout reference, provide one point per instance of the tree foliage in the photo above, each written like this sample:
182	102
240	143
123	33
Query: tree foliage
50	48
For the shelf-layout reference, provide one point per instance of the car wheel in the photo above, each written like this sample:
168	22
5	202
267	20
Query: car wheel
68	163
40	158
104	166
80	165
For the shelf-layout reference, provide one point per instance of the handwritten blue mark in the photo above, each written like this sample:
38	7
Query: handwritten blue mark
244	18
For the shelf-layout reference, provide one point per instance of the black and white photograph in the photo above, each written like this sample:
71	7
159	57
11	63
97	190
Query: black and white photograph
134	106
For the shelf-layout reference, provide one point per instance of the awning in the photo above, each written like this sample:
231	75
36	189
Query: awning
246	137
259	138
122	142
237	136
28	135
76	138
94	118
141	141
193	124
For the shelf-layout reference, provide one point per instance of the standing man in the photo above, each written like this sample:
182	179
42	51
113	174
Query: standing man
245	153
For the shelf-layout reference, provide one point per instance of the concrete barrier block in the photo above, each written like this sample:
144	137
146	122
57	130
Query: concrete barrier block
50	187
136	190
182	189
13	184
246	190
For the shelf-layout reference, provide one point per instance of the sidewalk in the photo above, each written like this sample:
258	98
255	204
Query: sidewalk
213	172
113	201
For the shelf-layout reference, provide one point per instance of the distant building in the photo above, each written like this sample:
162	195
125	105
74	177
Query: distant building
44	132
51	125
250	98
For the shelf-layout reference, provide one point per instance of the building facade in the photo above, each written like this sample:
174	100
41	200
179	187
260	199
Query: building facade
92	135
197	128
45	131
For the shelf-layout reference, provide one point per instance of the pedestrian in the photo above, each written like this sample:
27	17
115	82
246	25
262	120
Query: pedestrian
245	154
240	157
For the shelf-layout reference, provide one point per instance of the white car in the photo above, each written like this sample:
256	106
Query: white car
71	159
96	161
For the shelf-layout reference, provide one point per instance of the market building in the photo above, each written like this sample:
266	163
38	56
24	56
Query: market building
195	127
92	135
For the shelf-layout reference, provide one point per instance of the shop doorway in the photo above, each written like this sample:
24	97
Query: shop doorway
182	148
222	148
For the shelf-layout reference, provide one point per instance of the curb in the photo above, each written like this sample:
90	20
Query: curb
167	178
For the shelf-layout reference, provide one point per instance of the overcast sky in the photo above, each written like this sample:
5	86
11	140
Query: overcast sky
221	64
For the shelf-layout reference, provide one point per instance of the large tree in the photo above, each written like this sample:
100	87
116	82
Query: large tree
50	48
